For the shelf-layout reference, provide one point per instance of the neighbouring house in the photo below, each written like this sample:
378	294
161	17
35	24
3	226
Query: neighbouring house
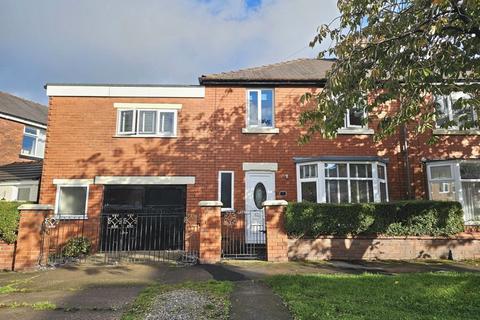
117	153
22	141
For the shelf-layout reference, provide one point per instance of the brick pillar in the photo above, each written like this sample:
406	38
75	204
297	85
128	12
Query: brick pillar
210	231
277	240
29	238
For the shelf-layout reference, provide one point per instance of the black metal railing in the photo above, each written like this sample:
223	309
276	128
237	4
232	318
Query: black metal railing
244	235
123	237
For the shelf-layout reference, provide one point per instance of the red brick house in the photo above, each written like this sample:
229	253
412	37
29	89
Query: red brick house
234	138
22	139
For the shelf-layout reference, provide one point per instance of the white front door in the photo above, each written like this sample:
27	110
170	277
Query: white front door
259	186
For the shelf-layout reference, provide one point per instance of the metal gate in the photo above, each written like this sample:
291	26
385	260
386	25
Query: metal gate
122	237
244	235
146	237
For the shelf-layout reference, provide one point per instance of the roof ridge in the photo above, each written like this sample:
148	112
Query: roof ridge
261	66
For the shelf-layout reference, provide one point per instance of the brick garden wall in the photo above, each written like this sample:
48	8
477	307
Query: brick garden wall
466	246
7	252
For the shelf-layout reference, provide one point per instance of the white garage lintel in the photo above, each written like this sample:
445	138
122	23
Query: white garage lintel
144	180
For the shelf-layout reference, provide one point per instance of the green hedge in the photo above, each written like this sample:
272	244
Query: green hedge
402	218
9	217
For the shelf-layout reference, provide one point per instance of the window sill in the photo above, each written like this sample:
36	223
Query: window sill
355	131
261	130
456	132
29	156
71	217
227	210
142	136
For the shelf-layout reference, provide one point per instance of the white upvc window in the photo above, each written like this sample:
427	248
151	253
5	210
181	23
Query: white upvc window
147	122
457	180
226	190
260	108
72	199
446	112
342	182
355	118
33	144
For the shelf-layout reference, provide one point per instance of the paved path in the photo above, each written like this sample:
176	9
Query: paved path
251	299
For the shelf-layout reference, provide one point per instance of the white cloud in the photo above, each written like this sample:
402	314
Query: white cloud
147	41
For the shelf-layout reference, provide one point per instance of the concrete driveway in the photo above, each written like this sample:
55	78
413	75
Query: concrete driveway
86	291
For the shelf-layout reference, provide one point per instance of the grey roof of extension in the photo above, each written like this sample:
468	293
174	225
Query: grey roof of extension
294	71
24	109
28	170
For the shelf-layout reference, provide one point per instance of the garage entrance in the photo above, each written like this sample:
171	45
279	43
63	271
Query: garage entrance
144	223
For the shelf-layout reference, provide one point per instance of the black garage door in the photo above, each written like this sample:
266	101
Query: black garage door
144	218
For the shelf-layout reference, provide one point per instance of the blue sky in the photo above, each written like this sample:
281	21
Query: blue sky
148	41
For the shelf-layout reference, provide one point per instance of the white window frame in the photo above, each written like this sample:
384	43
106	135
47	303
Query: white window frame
220	189
310	179
456	179
71	184
259	108
321	179
137	119
119	122
449	107
163	134
347	125
39	137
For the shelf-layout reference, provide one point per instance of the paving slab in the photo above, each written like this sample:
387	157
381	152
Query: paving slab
252	299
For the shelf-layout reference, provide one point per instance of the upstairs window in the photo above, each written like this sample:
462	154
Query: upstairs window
260	108
354	118
453	113
142	122
33	144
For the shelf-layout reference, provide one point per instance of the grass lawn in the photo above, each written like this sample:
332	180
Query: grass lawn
407	296
220	290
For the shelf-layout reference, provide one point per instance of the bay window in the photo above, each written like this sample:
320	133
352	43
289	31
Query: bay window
457	180
342	182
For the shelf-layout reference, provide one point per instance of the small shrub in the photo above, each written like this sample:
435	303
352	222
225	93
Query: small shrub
9	218
77	247
402	218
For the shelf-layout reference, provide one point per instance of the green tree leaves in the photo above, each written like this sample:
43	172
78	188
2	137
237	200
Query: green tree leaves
404	51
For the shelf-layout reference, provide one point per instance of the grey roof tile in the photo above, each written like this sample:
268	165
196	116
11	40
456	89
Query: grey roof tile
299	70
28	170
27	110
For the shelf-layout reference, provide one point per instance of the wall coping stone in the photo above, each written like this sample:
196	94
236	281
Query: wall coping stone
460	236
270	203
210	203
35	206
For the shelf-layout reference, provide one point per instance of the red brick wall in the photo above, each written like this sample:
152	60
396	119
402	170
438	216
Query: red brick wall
461	247
6	255
11	137
81	144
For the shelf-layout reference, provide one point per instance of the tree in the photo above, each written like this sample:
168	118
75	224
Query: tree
403	50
